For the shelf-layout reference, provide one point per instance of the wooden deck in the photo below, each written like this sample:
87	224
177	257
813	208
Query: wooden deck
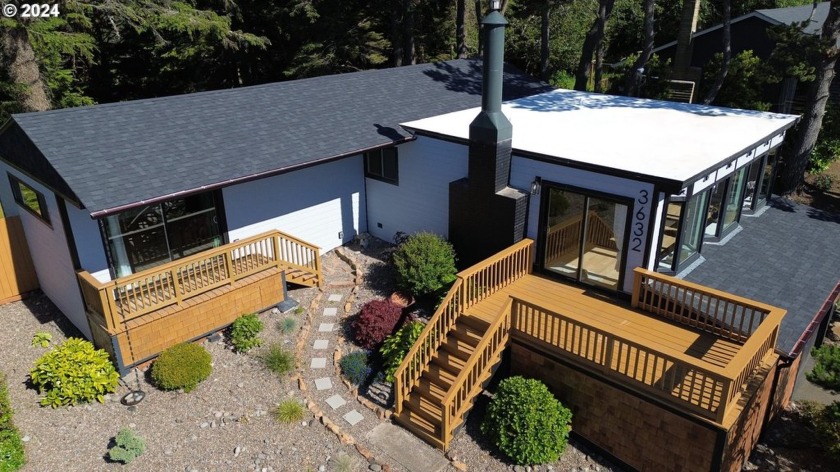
608	315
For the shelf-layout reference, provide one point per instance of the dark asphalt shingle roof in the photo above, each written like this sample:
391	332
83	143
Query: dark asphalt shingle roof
791	15
119	154
788	257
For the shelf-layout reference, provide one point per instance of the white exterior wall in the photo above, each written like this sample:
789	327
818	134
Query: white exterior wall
314	204
50	253
523	172
88	240
421	200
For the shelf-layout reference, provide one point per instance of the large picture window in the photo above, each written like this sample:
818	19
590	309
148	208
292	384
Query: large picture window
147	236
382	165
30	199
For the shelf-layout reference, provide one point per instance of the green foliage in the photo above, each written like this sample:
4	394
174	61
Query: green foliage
289	411
827	429
355	367
12	456
129	446
299	310
41	339
744	84
279	360
823	182
287	325
526	422
425	264
562	79
397	345
181	366
343	463
827	149
827	367
74	372
244	332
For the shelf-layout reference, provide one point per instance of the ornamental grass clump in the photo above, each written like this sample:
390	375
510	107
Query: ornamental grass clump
74	372
279	360
244	332
425	264
181	366
355	367
12	455
526	422
129	446
289	411
376	321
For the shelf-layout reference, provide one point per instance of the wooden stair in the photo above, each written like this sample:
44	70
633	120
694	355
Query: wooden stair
301	276
422	410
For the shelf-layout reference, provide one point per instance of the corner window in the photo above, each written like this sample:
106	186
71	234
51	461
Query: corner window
30	199
382	165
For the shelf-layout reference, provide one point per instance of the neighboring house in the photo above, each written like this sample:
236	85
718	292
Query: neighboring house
750	32
181	213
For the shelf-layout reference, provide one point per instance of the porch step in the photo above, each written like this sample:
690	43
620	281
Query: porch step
300	277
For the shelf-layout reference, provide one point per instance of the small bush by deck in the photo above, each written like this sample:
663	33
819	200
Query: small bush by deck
181	366
244	332
376	321
526	422
74	372
397	345
11	446
826	371
425	264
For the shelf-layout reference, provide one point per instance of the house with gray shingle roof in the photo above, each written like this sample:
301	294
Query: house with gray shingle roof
159	221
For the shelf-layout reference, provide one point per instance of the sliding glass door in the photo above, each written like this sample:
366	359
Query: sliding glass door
583	236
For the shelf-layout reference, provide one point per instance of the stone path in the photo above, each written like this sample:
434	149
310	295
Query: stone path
334	400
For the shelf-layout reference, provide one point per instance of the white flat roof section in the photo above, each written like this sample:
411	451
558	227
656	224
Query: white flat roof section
664	140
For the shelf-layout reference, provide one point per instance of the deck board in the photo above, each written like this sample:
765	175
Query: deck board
611	316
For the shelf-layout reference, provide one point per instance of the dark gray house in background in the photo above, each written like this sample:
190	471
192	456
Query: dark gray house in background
750	32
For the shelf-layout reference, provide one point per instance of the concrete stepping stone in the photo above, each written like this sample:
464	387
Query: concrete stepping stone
353	417
320	344
335	402
318	363
323	383
325	327
332	311
335	297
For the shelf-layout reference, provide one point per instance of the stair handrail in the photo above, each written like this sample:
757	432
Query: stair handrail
427	344
494	340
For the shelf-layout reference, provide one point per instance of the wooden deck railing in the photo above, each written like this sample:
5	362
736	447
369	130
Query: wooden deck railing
459	397
724	314
496	272
678	379
565	236
127	298
471	285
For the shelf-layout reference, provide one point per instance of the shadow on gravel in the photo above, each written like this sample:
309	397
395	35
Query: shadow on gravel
379	279
44	311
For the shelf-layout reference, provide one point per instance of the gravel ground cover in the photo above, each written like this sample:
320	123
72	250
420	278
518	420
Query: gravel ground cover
226	422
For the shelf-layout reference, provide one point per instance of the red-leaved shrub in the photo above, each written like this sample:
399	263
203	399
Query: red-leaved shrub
375	322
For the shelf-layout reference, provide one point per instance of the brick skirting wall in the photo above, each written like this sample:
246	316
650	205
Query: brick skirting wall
196	317
640	432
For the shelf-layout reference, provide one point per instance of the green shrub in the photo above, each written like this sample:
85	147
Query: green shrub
289	411
74	372
244	332
181	366
526	422
279	360
129	446
287	325
41	339
827	367
11	446
823	182
827	428
425	264
397	345
355	367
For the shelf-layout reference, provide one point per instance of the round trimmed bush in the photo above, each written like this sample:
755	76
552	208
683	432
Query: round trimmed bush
376	321
425	264
74	372
526	422
181	366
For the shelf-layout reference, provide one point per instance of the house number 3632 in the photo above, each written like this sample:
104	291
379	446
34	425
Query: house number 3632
639	221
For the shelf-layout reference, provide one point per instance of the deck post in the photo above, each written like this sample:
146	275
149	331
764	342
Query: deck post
229	267
176	286
637	289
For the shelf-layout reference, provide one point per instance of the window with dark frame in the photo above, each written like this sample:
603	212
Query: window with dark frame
382	165
29	199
